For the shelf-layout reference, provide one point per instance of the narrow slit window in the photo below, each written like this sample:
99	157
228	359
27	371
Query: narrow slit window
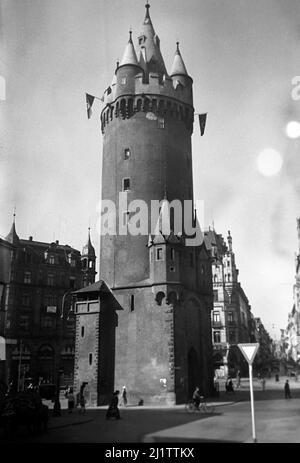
132	302
159	254
90	359
127	153
172	254
82	331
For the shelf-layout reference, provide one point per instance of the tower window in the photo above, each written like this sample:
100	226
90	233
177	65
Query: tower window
126	184
90	359
172	269
172	254
159	254
127	153
125	218
27	277
123	80
51	260
160	122
82	331
91	264
132	302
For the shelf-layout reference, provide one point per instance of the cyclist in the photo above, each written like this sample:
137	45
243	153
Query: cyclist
196	397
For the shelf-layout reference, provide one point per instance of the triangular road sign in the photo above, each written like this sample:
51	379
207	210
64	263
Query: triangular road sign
249	351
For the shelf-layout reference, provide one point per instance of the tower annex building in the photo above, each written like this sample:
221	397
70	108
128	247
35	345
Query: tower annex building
147	323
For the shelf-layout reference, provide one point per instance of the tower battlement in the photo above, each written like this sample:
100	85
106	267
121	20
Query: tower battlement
156	106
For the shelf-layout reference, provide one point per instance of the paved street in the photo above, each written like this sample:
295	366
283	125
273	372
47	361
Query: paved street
277	420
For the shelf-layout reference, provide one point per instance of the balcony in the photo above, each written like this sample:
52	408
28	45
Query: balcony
216	324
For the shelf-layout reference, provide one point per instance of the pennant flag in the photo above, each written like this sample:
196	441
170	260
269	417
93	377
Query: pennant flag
89	104
202	122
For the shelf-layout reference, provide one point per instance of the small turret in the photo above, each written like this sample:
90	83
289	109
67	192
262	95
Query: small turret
88	261
127	69
12	237
229	241
179	73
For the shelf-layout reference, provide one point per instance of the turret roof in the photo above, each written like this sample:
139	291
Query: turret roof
12	237
129	56
178	66
88	249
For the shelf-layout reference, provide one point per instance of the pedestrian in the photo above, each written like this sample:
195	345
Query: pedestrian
196	397
287	391
263	384
124	396
113	410
229	386
71	400
238	379
82	403
82	398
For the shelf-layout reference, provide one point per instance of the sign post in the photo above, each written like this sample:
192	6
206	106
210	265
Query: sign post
249	352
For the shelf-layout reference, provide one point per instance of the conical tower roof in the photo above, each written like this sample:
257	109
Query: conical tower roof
12	237
150	59
178	66
129	56
88	249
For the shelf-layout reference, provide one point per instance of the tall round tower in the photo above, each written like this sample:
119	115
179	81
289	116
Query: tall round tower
147	122
163	333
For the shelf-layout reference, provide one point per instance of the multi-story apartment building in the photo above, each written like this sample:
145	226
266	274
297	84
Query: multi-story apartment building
232	319
37	281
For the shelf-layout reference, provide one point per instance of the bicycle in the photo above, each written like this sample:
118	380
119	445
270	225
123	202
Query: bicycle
203	407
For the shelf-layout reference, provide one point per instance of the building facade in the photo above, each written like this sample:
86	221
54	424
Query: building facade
293	326
163	343
232	318
36	318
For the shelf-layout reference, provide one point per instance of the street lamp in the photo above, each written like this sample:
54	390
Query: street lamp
59	371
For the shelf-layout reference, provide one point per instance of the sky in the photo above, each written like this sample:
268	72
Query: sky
242	56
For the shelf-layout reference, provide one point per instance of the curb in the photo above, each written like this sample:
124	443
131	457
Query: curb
70	424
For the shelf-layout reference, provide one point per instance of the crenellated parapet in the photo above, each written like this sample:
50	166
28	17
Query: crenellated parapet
169	100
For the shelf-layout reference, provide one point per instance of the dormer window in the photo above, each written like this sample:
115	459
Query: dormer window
51	260
141	39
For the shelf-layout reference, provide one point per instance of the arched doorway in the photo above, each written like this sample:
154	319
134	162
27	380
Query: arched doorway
46	363
193	371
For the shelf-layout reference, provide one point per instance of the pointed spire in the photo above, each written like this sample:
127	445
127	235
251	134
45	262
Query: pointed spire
129	56
229	241
88	249
147	19
178	66
12	237
150	55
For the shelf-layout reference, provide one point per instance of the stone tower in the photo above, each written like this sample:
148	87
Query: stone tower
163	345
